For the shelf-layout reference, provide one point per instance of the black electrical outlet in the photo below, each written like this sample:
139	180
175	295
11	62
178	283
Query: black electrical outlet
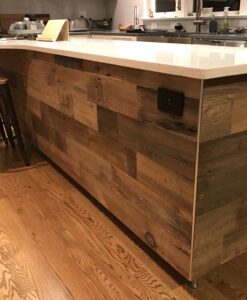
171	102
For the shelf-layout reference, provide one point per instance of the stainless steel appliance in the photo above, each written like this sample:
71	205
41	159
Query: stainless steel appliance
80	24
101	25
26	27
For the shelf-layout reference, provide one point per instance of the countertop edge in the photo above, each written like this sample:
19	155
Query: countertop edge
184	71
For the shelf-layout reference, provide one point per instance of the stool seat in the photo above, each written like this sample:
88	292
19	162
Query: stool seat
3	80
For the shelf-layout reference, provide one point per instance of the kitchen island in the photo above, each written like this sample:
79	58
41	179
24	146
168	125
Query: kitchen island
175	176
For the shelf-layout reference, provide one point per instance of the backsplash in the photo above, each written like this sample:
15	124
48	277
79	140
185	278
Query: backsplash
190	27
122	11
56	8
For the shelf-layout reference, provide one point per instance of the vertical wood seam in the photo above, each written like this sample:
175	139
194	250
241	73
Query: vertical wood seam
196	179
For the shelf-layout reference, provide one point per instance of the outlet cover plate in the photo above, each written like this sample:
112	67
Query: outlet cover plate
171	102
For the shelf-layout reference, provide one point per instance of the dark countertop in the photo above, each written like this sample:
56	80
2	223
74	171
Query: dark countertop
220	36
121	33
209	36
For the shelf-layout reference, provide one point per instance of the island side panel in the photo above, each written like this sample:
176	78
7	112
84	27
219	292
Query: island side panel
221	205
101	125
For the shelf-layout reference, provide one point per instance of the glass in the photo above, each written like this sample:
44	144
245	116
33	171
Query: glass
165	5
218	5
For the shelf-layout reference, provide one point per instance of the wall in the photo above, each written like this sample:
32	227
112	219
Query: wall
56	8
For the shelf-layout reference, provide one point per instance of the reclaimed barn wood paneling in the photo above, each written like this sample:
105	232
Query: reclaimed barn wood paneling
221	202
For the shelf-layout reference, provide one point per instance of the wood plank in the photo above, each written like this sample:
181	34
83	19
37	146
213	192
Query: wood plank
221	205
165	181
120	96
171	150
222	161
223	115
107	123
85	112
216	118
239	121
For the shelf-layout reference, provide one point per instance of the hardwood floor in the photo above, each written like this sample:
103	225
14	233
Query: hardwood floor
55	244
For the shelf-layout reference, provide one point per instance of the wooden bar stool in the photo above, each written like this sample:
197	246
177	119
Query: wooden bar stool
9	120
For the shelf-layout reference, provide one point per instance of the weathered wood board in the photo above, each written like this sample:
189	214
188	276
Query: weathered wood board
221	199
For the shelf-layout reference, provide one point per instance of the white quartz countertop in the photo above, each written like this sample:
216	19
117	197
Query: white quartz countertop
194	61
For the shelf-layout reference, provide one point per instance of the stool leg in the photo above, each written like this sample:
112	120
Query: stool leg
11	111
6	120
2	130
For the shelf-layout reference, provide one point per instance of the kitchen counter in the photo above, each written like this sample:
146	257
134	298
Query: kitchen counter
157	133
218	36
194	61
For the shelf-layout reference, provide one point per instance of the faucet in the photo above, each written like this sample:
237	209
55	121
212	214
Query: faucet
136	19
198	21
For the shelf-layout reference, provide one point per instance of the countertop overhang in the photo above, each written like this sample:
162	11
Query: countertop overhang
194	61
